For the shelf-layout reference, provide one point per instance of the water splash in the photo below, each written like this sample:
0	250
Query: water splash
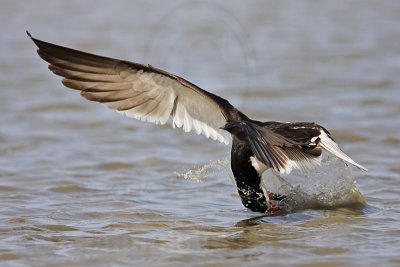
198	173
329	186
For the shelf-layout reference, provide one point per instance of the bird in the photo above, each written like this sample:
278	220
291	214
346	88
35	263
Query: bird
153	95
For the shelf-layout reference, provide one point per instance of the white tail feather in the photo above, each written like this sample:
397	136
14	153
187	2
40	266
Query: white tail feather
329	145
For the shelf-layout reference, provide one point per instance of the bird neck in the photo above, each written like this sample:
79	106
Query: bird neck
248	180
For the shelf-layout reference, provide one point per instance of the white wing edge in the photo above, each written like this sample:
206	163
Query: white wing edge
329	145
182	119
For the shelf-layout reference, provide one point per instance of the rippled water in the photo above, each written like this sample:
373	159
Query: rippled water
82	186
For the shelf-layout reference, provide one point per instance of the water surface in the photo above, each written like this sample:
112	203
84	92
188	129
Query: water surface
83	186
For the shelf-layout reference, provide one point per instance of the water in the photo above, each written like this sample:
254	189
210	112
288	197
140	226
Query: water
83	186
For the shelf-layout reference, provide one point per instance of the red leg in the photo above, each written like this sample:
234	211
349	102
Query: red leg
273	207
273	196
273	203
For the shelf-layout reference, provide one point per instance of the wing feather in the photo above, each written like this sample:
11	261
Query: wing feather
288	146
330	145
84	76
273	149
140	91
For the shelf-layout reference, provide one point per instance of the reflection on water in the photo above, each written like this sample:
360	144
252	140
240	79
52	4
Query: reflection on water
82	186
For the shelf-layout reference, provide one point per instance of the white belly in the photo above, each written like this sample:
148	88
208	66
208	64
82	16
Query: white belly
258	165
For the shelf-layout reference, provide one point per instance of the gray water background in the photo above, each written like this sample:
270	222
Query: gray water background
83	186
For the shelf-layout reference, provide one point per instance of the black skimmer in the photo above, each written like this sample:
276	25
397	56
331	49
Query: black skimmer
150	94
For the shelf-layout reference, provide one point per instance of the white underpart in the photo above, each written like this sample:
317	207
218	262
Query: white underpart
329	145
258	165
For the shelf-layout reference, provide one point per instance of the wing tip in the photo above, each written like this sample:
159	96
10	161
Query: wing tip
352	162
361	167
332	147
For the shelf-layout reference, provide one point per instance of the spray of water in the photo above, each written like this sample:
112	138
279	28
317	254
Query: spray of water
198	173
329	186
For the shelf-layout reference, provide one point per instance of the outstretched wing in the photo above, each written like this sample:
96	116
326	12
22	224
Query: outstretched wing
296	145
312	138
288	146
140	91
280	152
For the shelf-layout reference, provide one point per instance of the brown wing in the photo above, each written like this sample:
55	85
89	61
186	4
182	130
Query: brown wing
140	91
280	152
308	140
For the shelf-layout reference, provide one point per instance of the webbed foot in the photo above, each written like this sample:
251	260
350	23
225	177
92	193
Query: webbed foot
273	203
